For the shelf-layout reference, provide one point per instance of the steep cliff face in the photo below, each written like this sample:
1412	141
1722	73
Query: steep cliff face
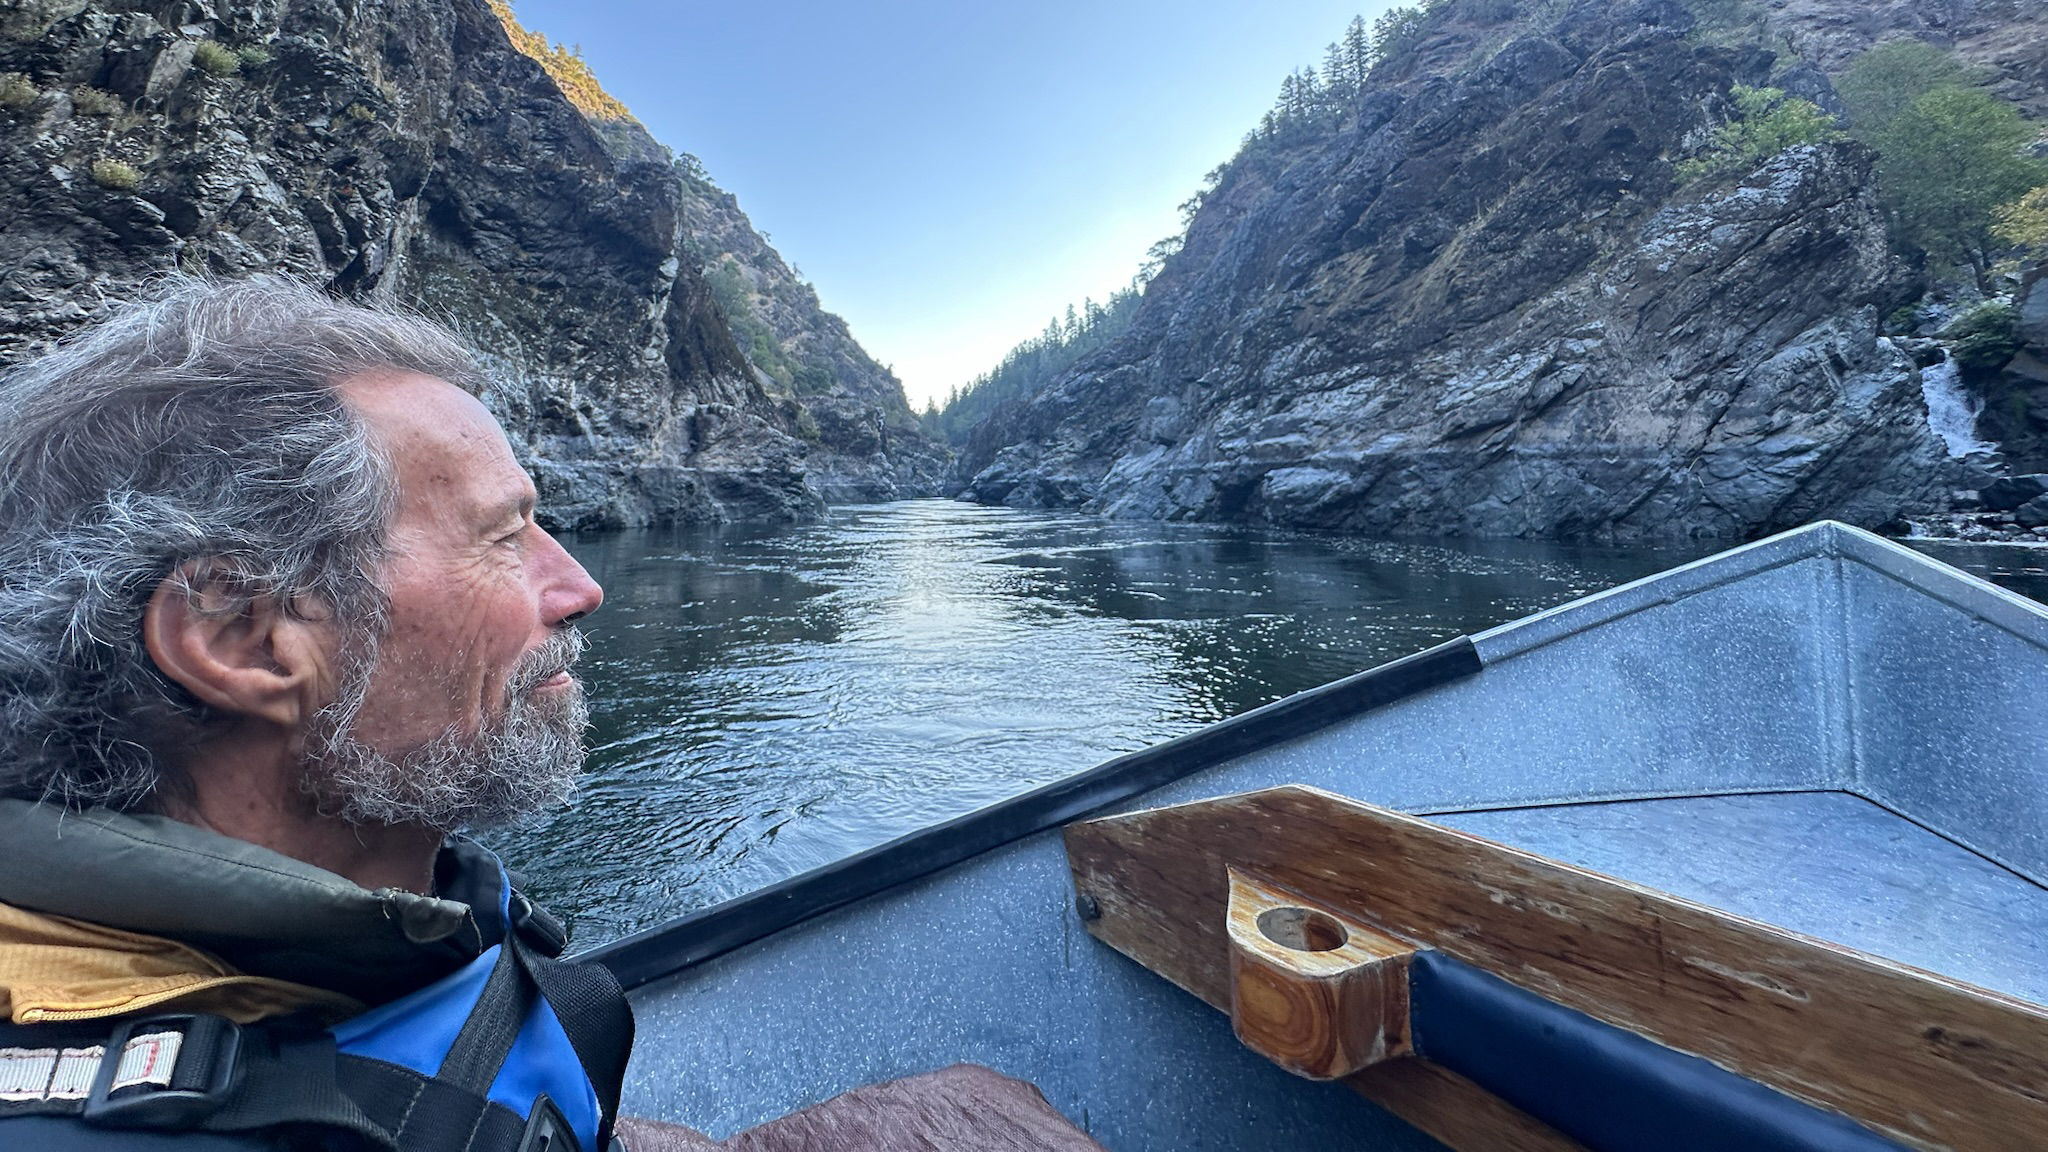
1485	306
866	443
399	150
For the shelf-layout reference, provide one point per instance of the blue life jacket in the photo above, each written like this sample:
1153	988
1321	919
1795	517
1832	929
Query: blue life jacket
418	1031
516	1050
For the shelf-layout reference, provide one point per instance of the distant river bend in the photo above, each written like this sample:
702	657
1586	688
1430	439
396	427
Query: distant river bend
767	700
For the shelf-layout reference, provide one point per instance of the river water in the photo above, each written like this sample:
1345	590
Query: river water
766	700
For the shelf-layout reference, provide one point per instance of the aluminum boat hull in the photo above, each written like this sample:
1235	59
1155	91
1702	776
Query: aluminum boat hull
1823	731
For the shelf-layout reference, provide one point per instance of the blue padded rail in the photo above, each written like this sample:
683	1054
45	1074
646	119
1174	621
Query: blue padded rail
1606	1087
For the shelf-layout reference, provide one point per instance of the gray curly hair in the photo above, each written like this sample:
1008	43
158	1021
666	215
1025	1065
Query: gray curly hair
201	428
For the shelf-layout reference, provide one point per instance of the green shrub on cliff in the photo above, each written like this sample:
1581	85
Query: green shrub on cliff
216	59
1766	122
1946	165
116	175
2024	222
1885	81
16	90
733	290
1984	338
89	101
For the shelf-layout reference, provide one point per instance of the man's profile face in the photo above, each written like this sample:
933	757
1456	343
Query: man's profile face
469	714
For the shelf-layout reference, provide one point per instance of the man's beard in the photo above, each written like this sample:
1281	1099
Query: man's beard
523	761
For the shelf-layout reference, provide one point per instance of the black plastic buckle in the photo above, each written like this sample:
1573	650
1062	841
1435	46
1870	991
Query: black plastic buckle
538	927
546	1130
200	1079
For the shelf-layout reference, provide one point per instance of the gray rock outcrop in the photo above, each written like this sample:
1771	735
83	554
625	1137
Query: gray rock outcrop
1485	306
398	150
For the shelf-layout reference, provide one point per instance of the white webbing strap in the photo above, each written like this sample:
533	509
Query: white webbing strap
39	1074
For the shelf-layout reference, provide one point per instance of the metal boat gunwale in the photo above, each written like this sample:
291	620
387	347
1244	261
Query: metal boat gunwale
1826	539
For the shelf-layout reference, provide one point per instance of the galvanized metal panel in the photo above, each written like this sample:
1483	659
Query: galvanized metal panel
1828	864
1724	690
1950	698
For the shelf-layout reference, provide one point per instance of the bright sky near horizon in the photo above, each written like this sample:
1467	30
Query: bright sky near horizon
951	175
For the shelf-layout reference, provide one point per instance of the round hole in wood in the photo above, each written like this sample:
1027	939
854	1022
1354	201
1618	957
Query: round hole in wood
1302	929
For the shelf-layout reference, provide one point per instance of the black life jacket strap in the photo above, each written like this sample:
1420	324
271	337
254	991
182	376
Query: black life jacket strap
486	1038
598	1019
293	1079
195	1071
450	1111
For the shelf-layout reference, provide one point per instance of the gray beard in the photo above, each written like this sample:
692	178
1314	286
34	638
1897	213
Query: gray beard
523	762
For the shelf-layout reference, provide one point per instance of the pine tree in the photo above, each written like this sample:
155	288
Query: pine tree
1357	52
1038	361
1290	99
1336	75
1398	30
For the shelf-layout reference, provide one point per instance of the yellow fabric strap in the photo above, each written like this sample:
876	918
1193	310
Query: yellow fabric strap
54	969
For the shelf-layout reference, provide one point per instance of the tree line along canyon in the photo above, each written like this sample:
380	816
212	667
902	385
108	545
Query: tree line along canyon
1610	270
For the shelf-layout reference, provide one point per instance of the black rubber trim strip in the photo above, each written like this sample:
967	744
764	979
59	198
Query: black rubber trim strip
698	936
1605	1087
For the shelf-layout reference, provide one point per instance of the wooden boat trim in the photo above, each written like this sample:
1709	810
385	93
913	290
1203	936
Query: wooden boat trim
1923	1060
698	936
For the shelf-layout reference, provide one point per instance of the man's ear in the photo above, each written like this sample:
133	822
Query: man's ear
239	656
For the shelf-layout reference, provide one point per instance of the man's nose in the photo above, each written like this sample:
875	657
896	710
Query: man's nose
567	591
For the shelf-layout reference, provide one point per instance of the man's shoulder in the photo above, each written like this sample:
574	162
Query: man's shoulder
262	914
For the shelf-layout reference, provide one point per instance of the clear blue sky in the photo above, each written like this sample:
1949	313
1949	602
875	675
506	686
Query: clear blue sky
951	174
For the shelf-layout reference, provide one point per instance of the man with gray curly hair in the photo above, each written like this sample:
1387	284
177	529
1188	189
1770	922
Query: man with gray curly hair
225	456
276	623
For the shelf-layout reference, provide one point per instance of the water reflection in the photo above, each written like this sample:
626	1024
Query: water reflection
2022	568
766	701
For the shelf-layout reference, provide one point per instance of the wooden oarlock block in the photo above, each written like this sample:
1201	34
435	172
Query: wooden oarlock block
1319	994
1922	1060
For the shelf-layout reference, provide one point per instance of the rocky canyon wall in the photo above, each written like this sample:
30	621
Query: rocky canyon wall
402	150
1485	305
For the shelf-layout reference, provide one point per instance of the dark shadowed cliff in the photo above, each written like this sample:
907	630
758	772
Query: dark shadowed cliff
1482	303
405	150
